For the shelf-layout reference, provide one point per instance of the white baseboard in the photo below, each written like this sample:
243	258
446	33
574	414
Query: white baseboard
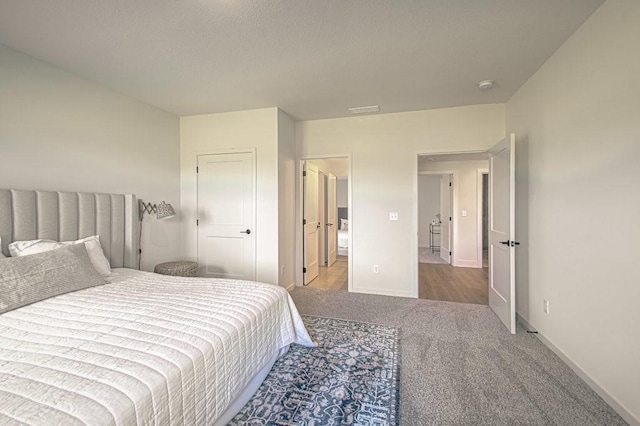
291	286
609	399
467	264
380	292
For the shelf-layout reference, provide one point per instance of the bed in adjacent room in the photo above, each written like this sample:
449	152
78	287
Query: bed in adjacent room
343	231
123	346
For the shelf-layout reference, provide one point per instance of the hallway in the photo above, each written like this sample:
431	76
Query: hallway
453	284
335	277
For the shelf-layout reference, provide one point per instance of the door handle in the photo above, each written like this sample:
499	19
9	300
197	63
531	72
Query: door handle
510	243
248	231
329	224
318	225
506	243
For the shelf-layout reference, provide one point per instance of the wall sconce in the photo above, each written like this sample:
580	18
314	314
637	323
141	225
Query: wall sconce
162	210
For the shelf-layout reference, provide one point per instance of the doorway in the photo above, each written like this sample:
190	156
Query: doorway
325	217
450	218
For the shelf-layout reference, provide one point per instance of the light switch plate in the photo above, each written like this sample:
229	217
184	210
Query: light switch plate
464	213
393	215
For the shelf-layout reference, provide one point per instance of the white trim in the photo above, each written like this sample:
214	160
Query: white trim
592	383
382	292
480	210
291	286
299	277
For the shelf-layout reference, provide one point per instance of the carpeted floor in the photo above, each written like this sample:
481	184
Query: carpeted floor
460	366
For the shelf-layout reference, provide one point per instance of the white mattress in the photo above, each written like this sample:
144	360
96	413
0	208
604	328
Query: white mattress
146	349
343	242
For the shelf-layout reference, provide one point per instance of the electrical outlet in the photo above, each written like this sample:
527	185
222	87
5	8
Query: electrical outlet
376	269
393	215
545	306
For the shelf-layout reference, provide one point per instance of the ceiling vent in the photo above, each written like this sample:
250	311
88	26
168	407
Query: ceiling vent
364	110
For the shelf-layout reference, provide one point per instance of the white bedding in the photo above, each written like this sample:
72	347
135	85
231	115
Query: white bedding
343	242
146	349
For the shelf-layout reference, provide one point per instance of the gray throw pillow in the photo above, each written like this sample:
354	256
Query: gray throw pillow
29	279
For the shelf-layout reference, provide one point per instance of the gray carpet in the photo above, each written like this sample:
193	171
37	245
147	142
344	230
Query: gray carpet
460	366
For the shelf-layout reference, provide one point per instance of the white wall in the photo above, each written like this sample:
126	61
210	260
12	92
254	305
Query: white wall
384	152
342	191
202	134
428	207
577	122
61	132
466	196
286	199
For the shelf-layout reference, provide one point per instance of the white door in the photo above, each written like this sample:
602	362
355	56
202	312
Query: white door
502	283
311	223
322	218
226	216
332	218
446	187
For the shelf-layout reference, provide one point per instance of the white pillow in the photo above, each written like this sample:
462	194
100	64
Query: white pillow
344	224
1	253
92	244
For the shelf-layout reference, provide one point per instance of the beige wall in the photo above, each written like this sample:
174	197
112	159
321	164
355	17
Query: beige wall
577	122
210	133
60	132
384	179
465	197
286	200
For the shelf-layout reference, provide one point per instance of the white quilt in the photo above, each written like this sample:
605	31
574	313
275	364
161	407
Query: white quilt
146	349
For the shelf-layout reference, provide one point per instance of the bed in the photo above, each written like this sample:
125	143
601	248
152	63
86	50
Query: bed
142	348
343	231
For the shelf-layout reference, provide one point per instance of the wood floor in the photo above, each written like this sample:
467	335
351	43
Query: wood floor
335	277
453	284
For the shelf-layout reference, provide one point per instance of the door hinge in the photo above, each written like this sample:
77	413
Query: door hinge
449	253
304	173
197	169
304	221
449	218
197	222
449	183
304	270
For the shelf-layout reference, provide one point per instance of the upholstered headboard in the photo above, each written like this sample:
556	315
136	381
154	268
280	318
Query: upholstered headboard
66	216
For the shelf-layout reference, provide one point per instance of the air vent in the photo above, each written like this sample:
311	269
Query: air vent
364	110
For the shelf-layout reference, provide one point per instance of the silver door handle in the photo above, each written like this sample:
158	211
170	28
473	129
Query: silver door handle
248	231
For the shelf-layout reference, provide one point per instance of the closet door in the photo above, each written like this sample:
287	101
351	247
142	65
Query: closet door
226	216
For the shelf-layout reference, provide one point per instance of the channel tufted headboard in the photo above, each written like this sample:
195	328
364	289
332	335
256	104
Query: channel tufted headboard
66	216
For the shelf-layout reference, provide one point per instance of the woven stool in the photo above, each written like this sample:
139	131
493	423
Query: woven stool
177	269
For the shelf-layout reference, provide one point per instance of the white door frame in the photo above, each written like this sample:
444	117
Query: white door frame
454	207
415	229
299	215
480	211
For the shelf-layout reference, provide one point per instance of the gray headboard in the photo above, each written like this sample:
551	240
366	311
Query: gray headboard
66	216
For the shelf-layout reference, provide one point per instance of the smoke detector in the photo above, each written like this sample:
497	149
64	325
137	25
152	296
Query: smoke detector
364	109
485	84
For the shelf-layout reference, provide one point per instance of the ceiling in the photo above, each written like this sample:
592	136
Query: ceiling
313	59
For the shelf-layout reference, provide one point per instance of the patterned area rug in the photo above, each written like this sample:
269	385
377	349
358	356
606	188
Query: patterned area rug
351	378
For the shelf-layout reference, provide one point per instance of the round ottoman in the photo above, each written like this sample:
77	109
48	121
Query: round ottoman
178	269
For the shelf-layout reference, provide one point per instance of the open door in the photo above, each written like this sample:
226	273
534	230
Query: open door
311	223
502	281
332	219
446	187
